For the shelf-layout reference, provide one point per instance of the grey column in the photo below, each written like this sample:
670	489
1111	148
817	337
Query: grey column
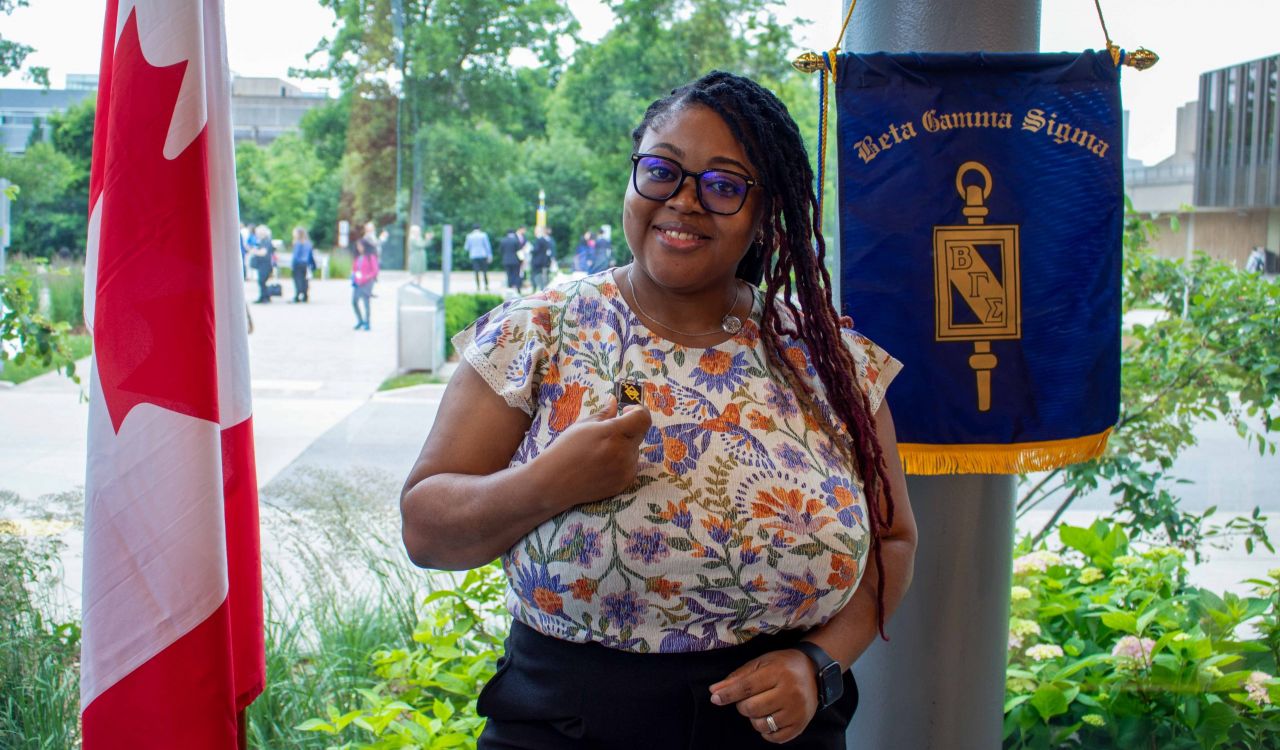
939	682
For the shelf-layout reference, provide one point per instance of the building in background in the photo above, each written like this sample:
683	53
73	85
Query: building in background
1226	166
262	109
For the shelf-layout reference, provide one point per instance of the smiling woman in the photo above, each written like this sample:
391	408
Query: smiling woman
691	570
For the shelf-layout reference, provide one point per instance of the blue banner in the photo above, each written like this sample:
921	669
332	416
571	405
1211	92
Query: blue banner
981	211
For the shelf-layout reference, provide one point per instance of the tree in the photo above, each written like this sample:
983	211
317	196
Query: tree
449	61
14	54
655	46
1212	355
51	214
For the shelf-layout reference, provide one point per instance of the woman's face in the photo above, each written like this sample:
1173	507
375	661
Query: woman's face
677	242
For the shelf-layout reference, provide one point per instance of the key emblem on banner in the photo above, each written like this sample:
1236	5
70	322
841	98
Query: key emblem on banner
976	279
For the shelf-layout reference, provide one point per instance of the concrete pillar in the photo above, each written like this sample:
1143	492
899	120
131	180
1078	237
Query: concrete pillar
938	684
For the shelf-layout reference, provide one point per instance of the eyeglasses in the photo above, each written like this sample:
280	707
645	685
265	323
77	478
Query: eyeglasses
720	191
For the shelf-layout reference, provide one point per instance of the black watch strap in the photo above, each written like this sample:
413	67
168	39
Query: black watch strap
828	671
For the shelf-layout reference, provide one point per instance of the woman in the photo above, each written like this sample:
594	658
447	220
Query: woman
303	261
364	272
264	262
584	253
685	572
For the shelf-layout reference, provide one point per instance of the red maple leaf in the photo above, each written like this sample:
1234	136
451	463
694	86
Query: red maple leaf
154	323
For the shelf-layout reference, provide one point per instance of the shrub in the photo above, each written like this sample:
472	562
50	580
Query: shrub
461	310
426	693
339	264
39	653
1111	648
66	295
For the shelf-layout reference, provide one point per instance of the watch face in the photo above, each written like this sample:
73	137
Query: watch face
832	684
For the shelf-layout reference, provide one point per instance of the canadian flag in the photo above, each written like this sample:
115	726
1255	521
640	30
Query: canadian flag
172	638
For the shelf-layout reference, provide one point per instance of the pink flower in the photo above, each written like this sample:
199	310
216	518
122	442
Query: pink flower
1134	649
1256	689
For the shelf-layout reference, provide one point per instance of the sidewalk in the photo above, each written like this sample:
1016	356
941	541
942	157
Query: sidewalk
316	405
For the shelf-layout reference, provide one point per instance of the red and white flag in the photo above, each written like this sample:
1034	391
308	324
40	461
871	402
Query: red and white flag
172	639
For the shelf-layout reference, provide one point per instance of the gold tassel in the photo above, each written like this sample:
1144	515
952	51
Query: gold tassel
1013	458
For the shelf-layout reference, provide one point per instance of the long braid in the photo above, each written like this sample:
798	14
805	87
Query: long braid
783	257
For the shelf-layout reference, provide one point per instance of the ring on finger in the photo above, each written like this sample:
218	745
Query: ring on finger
773	725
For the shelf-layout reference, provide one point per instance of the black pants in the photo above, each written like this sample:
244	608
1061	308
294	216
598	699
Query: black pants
264	276
300	282
556	695
514	279
480	266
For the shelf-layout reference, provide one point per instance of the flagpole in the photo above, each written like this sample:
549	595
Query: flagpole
945	660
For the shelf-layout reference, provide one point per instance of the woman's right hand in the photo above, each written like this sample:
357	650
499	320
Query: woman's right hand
598	456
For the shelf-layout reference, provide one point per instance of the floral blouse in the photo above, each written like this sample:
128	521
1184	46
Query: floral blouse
744	518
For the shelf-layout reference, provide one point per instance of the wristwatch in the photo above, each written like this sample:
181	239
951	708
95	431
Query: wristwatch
830	675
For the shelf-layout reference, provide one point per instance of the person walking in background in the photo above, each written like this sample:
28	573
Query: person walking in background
304	260
418	250
509	248
584	253
1257	262
264	261
364	272
481	254
602	258
544	250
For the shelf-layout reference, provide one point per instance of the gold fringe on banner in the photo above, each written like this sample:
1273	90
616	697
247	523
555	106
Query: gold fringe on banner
1013	458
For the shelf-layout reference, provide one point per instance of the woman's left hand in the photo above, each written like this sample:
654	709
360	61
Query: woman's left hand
780	684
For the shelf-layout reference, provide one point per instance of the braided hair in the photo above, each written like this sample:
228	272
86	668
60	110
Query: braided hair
783	258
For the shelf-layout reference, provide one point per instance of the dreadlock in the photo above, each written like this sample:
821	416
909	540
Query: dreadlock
783	257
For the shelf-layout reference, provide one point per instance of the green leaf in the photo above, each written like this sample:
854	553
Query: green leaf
1124	622
1049	701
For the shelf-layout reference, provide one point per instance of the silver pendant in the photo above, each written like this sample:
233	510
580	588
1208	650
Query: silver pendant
731	324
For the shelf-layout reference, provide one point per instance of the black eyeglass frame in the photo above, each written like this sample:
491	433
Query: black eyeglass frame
697	182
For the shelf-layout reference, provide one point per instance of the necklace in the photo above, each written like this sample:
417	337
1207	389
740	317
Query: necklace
729	324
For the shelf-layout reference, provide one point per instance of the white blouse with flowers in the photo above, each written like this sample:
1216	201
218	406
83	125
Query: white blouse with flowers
744	517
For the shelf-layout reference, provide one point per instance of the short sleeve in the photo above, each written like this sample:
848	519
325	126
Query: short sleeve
875	367
509	347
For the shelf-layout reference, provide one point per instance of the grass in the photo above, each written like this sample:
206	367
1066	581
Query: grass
39	644
338	588
81	346
410	379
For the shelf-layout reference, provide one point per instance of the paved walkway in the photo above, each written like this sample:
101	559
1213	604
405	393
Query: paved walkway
315	404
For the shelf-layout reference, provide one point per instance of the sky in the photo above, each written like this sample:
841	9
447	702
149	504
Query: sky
267	38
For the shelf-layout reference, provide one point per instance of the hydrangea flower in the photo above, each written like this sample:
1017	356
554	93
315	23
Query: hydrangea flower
1256	689
1094	720
1044	651
1020	593
1131	648
1035	562
1090	575
1159	553
1126	560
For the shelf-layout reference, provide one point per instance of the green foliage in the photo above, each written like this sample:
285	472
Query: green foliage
79	346
66	295
338	588
1111	648
14	54
425	696
39	681
461	310
408	380
1212	354
340	264
276	184
27	337
469	170
72	135
51	212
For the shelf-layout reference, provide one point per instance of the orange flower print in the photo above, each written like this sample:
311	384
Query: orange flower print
760	421
565	410
810	421
720	529
677	514
756	584
748	335
584	589
719	371
662	587
797	595
542	319
553	374
659	398
548	601
796	358
844	572
789	510
749	553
